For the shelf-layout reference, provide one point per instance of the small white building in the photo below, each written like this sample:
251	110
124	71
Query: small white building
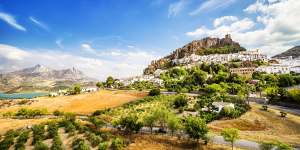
89	89
220	105
53	94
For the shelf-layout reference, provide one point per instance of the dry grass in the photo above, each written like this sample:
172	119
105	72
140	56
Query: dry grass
7	124
82	103
162	142
258	125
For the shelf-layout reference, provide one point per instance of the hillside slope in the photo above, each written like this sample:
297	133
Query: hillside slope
294	52
204	46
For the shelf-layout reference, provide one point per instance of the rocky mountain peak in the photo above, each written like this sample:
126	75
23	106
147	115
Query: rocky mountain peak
204	46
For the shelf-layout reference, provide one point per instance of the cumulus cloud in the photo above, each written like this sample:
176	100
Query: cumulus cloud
275	29
121	64
9	19
39	23
225	19
212	5
176	8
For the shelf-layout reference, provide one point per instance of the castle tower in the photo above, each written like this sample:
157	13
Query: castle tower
227	36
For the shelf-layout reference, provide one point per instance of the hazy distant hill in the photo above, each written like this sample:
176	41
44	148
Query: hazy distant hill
40	77
204	46
295	52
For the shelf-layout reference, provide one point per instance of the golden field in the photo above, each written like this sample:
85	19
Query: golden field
258	125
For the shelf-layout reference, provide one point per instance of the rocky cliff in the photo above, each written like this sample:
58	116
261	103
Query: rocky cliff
204	46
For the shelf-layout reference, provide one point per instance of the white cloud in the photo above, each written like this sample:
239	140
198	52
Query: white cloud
11	21
120	64
39	23
176	8
238	26
88	48
58	42
212	5
225	19
277	26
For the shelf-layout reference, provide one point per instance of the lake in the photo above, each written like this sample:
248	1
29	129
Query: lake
28	95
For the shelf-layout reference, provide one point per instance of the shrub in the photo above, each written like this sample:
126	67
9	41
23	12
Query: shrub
30	113
56	143
98	112
265	107
21	140
70	128
180	101
39	145
117	144
58	113
103	146
154	92
266	146
283	114
38	133
283	146
93	139
52	130
80	144
8	141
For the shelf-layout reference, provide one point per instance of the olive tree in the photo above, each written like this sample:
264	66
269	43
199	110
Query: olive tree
230	135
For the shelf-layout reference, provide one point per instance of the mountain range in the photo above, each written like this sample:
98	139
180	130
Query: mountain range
41	77
294	52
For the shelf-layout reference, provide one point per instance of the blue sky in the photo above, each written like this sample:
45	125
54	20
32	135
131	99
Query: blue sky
120	37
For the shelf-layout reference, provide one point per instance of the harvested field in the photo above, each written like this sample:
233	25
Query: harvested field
258	125
82	103
7	124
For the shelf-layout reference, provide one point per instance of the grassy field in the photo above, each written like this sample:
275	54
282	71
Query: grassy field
82	103
258	125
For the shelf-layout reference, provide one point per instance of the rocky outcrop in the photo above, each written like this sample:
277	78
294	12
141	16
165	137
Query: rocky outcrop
199	47
294	52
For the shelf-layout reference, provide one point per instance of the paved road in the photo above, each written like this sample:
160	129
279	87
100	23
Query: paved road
239	143
286	109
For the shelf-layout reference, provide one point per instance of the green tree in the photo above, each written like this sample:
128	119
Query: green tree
98	123
174	123
230	135
110	82
99	84
154	92
130	123
39	145
195	127
149	120
117	144
180	101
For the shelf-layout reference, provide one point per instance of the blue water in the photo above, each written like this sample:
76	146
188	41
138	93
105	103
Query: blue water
21	95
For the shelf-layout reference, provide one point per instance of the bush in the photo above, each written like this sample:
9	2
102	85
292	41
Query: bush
180	101
117	144
30	113
21	140
80	144
39	145
38	133
154	92
93	139
103	146
58	113
8	141
266	146
52	130
56	143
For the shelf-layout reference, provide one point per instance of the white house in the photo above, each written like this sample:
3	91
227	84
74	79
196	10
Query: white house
89	89
53	94
220	105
